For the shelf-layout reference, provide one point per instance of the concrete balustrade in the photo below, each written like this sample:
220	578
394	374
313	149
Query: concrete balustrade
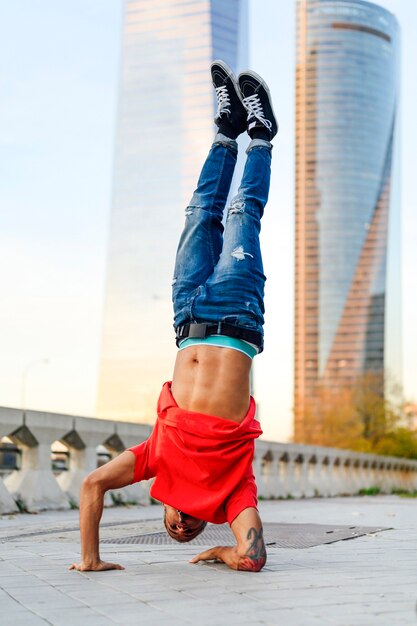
291	470
282	470
34	485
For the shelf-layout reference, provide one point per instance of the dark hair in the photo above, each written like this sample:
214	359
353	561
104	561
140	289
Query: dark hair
187	535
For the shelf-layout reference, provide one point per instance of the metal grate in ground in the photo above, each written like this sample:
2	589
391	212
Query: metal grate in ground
276	535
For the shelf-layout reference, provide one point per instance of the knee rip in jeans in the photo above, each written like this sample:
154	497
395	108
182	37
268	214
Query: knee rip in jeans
191	208
237	206
239	254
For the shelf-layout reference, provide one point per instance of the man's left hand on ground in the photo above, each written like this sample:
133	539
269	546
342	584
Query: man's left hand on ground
250	554
231	557
222	554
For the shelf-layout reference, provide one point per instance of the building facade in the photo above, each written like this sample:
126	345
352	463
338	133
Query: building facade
347	205
164	130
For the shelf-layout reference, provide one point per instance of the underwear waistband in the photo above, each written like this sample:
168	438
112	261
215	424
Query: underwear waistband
221	341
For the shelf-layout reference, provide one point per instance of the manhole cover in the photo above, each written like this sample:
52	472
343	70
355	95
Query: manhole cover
276	535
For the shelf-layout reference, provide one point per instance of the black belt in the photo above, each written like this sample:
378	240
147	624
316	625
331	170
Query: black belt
200	331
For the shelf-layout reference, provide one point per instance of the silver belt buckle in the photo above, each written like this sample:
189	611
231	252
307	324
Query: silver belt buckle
197	331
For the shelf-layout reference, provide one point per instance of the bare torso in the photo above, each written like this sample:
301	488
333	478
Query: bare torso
212	380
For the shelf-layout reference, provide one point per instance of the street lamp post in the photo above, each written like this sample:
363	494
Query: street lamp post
26	371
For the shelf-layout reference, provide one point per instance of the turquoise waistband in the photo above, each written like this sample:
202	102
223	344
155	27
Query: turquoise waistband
221	341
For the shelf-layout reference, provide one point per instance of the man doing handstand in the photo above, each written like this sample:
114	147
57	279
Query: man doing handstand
201	449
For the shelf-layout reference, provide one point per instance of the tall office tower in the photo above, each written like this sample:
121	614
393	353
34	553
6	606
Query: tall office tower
347	206
165	127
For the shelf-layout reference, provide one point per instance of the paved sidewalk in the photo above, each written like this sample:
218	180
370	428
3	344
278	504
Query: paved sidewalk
365	581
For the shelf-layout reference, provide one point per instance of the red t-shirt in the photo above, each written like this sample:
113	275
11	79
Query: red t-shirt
202	464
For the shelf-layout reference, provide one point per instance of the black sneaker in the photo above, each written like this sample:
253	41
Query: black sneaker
231	114
257	100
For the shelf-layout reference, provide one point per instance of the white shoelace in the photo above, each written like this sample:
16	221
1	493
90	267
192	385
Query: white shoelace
254	107
223	100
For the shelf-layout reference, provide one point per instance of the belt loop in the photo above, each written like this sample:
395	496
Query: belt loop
219	328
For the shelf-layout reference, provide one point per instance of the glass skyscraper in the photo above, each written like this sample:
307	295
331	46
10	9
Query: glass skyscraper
164	130
347	206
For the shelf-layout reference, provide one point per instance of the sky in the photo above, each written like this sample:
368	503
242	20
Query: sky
58	85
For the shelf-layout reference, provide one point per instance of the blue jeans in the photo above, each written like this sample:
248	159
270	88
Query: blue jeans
218	274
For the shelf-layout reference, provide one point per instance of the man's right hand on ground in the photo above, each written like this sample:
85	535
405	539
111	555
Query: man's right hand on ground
100	566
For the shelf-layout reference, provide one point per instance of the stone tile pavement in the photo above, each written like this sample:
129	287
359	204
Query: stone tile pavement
367	581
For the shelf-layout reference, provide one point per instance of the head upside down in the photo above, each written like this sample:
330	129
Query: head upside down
181	526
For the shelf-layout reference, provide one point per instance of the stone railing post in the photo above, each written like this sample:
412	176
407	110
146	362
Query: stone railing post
283	475
411	477
380	475
34	485
7	504
304	463
292	480
338	474
348	483
332	472
319	478
402	475
366	474
298	461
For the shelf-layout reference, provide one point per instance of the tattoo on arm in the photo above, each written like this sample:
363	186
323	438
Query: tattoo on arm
255	556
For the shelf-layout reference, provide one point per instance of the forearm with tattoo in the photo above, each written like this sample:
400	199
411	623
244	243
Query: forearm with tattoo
255	557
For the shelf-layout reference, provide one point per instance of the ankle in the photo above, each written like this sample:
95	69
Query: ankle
260	133
226	129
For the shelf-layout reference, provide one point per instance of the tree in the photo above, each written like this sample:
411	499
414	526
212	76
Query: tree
331	419
366	415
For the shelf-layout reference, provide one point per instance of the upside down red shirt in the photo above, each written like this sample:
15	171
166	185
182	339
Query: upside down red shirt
202	464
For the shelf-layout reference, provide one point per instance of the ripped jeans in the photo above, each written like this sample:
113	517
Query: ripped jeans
218	274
